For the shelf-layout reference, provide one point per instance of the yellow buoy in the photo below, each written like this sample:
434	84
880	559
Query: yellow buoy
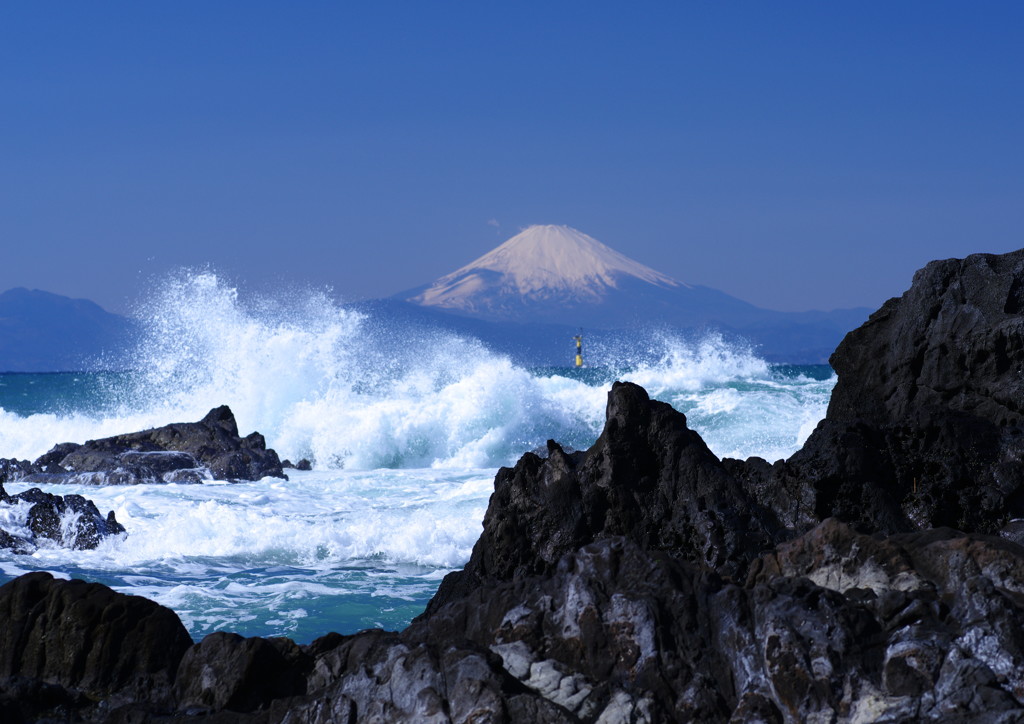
579	350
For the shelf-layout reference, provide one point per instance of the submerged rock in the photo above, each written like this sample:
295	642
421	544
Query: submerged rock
184	452
70	521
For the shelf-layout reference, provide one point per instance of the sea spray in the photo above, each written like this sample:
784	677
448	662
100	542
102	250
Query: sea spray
348	392
405	428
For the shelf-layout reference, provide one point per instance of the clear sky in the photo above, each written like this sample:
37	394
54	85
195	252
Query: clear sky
795	154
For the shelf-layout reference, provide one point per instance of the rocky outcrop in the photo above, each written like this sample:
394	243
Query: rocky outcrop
70	521
227	671
832	626
924	427
71	645
184	452
648	477
644	580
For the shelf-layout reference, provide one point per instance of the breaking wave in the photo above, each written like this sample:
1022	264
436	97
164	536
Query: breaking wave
346	390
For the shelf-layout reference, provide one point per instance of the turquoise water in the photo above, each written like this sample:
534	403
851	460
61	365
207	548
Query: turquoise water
404	453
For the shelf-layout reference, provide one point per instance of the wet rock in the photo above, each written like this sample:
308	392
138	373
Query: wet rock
87	638
648	477
379	676
180	452
26	700
303	464
11	469
227	671
834	626
70	521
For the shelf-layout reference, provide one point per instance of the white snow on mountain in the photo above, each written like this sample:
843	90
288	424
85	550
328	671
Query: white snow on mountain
540	263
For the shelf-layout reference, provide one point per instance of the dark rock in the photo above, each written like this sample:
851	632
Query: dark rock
648	477
226	671
70	521
832	625
49	462
85	637
29	700
644	580
12	470
925	427
379	676
303	464
186	452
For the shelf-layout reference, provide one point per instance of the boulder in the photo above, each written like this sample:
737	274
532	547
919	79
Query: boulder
181	452
84	637
70	521
227	671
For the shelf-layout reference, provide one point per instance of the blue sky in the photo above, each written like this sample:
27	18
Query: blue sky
796	155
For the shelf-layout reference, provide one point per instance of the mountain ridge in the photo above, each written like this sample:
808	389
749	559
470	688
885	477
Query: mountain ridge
576	281
45	332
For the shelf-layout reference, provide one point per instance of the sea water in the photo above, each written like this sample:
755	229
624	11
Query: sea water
405	436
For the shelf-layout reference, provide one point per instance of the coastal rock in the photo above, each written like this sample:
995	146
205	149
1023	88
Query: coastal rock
11	469
834	625
184	452
227	671
380	676
648	477
70	521
644	580
925	427
87	640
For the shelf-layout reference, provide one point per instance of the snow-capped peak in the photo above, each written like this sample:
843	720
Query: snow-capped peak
541	262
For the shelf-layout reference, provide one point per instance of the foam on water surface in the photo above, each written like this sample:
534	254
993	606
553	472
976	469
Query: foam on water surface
322	545
405	436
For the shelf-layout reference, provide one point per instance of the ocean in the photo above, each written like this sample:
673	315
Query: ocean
405	428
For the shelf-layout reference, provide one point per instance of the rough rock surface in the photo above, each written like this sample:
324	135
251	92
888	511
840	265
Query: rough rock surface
184	452
644	580
81	642
70	521
924	427
648	477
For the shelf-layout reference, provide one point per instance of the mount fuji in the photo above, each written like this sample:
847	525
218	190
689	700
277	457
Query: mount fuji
557	275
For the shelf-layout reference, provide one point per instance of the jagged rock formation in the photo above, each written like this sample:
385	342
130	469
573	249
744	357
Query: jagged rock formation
924	427
70	521
183	452
648	477
644	580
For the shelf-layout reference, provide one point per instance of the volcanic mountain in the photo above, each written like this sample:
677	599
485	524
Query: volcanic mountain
558	275
542	264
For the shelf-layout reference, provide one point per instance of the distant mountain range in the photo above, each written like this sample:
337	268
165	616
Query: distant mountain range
526	299
44	332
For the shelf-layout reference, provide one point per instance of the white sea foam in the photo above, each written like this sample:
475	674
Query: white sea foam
252	554
404	438
691	366
316	520
328	384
